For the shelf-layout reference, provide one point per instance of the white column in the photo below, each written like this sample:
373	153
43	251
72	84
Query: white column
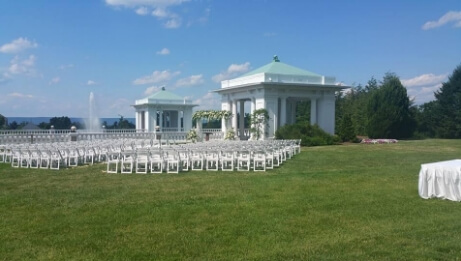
234	116
154	120
313	111
242	119
225	106
252	109
187	119
283	111
146	120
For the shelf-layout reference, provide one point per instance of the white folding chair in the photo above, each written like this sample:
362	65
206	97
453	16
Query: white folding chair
212	160
172	161
142	161
227	160
259	160
113	159
156	161
197	159
243	160
127	162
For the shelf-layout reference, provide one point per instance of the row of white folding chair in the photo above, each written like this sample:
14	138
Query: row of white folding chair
34	157
143	160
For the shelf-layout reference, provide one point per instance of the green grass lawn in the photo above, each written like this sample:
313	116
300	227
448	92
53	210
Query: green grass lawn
348	202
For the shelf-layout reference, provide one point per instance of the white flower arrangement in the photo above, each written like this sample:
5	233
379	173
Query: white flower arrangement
192	136
230	135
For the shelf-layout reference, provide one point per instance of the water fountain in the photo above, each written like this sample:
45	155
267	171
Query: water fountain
92	123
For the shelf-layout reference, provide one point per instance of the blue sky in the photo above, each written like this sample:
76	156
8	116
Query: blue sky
54	53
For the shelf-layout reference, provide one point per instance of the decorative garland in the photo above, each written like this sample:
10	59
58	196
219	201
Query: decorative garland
211	115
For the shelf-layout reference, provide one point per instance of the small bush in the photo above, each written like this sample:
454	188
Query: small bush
310	135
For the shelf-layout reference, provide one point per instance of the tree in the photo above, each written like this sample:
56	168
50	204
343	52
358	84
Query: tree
426	119
2	122
389	114
448	107
44	125
346	129
13	126
354	103
61	123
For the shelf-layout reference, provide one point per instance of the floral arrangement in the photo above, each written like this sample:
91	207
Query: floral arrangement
211	115
192	136
378	141
230	135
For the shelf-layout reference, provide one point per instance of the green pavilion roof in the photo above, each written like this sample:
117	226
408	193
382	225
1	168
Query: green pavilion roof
277	67
165	95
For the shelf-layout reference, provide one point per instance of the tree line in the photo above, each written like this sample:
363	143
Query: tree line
384	110
64	123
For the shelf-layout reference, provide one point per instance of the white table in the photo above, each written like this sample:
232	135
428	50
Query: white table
440	180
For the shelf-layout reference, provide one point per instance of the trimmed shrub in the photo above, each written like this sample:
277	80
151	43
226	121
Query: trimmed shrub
310	135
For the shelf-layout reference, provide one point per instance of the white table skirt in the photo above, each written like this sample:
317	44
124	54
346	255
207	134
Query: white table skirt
440	180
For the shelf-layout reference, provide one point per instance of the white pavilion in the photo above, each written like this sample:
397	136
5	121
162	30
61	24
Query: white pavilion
277	87
164	111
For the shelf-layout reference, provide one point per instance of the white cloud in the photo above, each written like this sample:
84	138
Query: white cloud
55	80
142	11
164	51
452	16
20	95
156	77
151	90
157	8
190	81
160	13
90	82
18	66
209	101
173	23
18	45
424	80
232	71
421	88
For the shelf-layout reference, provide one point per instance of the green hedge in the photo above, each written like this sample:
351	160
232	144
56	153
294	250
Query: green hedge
310	135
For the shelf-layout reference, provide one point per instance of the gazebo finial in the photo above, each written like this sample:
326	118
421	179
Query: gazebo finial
163	88
276	59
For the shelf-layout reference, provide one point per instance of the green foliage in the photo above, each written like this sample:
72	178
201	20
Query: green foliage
303	111
61	123
346	129
122	123
125	124
426	119
13	125
211	115
259	120
389	114
44	125
448	107
2	122
354	103
310	135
